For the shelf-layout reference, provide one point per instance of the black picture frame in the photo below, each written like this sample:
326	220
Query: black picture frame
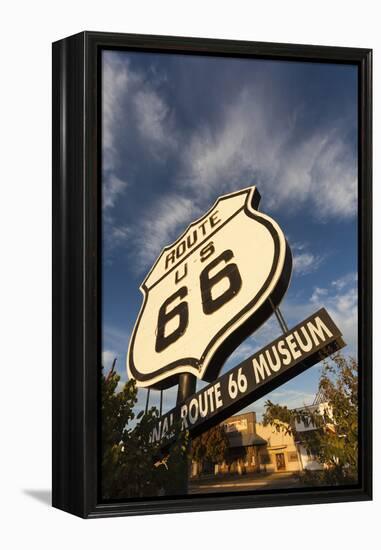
77	271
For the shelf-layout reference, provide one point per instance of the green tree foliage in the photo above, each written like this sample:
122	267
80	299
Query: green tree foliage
334	439
211	446
131	465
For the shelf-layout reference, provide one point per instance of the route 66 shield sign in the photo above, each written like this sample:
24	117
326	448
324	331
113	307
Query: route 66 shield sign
216	284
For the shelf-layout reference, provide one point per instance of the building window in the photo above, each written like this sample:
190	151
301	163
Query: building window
293	457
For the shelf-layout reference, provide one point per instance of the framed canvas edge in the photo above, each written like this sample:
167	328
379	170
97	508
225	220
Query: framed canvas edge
76	271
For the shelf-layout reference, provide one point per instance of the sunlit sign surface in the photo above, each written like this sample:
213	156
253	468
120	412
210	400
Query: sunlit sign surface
208	291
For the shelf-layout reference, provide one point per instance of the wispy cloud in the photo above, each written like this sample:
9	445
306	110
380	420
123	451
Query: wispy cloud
160	226
340	298
322	170
112	188
304	261
115	85
133	107
154	121
113	234
115	342
246	141
350	279
135	113
251	144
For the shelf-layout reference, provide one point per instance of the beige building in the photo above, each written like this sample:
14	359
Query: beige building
280	454
254	447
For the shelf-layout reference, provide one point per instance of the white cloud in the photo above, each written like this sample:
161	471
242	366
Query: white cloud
335	177
114	237
305	262
108	357
120	234
126	93
244	145
112	188
154	121
252	145
115	339
317	294
115	85
117	80
130	101
320	169
340	299
114	234
161	225
342	282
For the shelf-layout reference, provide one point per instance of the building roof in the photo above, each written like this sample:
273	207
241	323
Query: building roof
245	440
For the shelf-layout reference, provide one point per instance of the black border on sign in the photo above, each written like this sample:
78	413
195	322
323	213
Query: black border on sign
77	272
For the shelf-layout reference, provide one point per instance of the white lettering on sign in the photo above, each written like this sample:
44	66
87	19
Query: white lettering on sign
162	428
217	279
197	235
239	385
205	403
292	346
301	347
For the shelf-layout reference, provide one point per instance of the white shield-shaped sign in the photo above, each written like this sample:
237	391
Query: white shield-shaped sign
208	291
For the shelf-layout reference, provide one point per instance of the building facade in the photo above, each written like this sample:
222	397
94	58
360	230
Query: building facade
254	447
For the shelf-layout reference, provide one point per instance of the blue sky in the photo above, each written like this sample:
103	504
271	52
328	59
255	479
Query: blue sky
178	131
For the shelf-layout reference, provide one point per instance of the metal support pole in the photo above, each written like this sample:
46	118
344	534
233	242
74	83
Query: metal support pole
280	318
187	387
161	402
147	400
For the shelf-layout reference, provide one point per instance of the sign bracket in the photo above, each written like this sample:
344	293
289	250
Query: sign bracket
280	318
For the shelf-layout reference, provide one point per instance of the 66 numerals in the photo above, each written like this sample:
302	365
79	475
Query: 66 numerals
238	385
229	271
